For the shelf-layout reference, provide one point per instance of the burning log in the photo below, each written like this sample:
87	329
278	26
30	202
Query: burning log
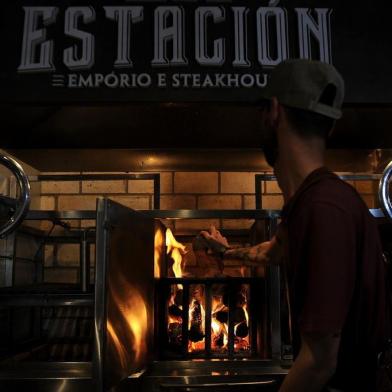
219	340
195	333
240	298
175	311
175	333
178	297
196	320
239	315
222	316
242	330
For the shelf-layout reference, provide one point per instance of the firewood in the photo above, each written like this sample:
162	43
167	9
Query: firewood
175	333
242	330
175	311
222	316
238	315
178	297
218	340
195	333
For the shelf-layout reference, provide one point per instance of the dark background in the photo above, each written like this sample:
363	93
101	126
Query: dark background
36	115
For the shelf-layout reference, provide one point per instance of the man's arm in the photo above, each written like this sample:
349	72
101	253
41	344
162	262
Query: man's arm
260	254
315	364
264	253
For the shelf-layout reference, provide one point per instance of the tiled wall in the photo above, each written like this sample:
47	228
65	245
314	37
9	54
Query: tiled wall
179	190
188	190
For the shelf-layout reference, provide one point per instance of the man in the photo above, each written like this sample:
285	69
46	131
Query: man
327	238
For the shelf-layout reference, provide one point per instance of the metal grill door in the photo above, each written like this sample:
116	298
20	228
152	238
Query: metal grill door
124	294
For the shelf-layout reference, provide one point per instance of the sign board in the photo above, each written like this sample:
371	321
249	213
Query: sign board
166	51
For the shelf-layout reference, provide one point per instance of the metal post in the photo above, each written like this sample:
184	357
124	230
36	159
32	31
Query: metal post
207	326
185	318
274	301
84	262
232	303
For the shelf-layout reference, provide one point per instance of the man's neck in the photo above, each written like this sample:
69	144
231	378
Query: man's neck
296	160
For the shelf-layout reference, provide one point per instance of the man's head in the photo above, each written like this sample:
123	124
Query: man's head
307	96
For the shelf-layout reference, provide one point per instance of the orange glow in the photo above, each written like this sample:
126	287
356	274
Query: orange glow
200	345
158	243
246	314
242	343
197	327
121	351
219	330
196	346
176	250
136	316
131	306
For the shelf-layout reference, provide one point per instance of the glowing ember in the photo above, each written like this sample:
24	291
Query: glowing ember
219	325
197	316
221	315
241	332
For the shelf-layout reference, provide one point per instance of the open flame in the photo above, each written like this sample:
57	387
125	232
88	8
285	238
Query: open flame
158	243
175	249
197	317
219	325
197	314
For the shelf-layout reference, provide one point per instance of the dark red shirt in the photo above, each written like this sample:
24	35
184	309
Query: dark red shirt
336	275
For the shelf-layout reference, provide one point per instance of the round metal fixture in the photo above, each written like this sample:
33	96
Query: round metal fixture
17	207
383	191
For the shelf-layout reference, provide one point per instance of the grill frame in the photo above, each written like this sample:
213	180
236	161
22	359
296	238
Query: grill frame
259	320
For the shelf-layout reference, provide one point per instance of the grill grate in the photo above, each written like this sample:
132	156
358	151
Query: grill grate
192	325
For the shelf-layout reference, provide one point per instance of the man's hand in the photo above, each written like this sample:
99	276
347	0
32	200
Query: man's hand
215	240
209	247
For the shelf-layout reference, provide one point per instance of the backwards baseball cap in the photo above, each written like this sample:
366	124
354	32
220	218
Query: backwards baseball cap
309	85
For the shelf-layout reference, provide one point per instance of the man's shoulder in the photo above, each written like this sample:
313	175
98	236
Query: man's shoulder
334	193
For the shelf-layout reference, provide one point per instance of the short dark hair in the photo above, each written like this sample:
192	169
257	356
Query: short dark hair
308	124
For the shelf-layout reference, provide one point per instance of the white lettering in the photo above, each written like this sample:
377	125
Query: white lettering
240	37
165	34
264	15
308	27
124	80
124	16
201	16
34	40
72	80
70	57
162	80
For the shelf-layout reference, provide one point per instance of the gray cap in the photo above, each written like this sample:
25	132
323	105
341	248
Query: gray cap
301	83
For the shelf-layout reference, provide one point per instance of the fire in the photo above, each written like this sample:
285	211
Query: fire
158	242
241	329
131	306
174	326
219	328
220	312
176	250
196	324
